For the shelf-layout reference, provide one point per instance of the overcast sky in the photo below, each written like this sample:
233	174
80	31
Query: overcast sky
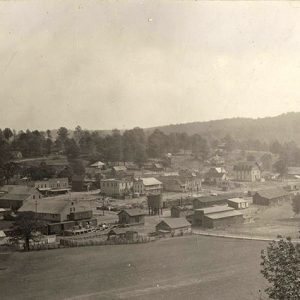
120	64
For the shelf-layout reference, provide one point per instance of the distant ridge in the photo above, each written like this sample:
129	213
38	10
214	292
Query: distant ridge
285	127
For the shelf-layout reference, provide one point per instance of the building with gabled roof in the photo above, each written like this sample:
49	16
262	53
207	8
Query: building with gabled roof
206	201
14	196
132	216
58	209
201	212
270	196
247	171
173	226
222	219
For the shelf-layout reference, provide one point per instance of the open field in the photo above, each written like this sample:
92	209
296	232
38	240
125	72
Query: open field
192	267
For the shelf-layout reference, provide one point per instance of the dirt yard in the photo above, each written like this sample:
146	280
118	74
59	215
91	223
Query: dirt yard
190	267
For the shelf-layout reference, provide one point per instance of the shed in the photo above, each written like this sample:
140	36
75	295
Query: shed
238	203
123	233
131	217
173	226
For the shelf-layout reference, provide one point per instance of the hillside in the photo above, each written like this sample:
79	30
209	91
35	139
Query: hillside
285	127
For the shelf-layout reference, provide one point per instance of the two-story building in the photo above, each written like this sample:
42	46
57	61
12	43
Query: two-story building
247	172
51	186
116	187
144	186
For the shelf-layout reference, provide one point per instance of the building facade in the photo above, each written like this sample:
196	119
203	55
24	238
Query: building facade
116	187
246	172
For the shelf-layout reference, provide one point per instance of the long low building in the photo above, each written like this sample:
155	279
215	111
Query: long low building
201	212
223	219
207	201
270	196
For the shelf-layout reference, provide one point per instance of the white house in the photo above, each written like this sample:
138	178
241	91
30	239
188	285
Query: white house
145	186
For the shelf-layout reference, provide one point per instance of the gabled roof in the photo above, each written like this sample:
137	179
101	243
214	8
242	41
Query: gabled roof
293	171
150	181
215	209
46	205
175	223
133	212
18	189
119	168
225	214
14	197
245	166
2	234
97	164
272	193
222	197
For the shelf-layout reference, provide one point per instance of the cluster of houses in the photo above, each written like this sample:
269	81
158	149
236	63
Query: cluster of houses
51	203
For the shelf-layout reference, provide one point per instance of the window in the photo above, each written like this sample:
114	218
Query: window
33	196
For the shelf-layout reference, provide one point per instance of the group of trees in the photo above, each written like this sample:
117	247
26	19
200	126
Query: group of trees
132	145
281	268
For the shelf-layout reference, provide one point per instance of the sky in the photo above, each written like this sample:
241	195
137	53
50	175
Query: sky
121	64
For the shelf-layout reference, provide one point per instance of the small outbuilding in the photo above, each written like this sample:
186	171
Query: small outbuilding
173	226
123	233
238	203
131	217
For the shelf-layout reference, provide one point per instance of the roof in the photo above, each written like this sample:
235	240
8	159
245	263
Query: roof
53	205
174	223
2	234
237	200
119	168
14	197
133	212
150	181
215	209
221	197
272	193
18	189
245	166
293	171
223	215
97	164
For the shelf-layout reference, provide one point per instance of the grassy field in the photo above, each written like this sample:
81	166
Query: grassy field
192	267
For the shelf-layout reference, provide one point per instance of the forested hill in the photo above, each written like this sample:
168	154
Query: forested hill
285	127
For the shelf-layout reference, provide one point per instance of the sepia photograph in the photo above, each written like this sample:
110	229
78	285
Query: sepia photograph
149	150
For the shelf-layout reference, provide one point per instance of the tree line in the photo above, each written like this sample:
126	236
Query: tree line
134	145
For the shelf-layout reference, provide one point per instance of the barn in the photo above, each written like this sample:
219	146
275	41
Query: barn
223	219
270	196
131	217
173	226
